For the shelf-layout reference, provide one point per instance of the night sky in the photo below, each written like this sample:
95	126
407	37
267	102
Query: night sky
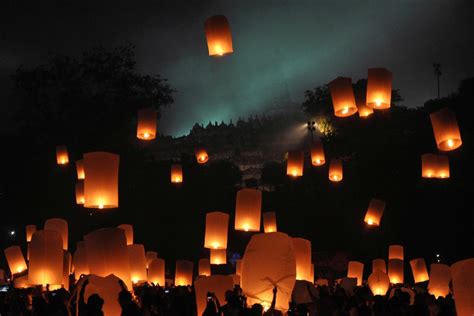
281	48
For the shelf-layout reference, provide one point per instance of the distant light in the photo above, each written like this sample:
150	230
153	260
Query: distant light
12	233
437	255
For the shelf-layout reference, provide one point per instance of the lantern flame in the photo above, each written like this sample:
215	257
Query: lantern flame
370	222
378	103
345	110
246	227
215	245
219	50
450	143
146	135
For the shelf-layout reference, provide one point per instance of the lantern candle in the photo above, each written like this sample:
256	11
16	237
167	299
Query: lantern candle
146	127
184	273
379	282
59	225
418	267
218	35
342	96
395	271
379	264
16	261
295	163
30	230
248	210
445	129
269	222
218	256
217	224
303	258
201	155
101	183
379	88
136	258
62	157
335	170
80	170
374	212
128	232
204	267
440	276
317	154
395	252
434	166
156	272
80	199
176	174
356	270
462	273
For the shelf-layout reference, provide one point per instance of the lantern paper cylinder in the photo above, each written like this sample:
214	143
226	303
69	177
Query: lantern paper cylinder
364	111
146	127
150	255
21	282
80	262
395	271
59	225
418	267
204	267
462	274
395	252
46	258
434	166
217	224
218	256
356	270
80	199
101	183
238	267
62	157
379	88
342	96
108	288
374	212
128	232
176	174
66	269
217	284
269	222
137	260
269	261
201	156
317	154
156	272
218	35
379	264
295	163
248	210
445	129
30	230
440	276
302	249
335	170
183	273
81	175
379	282
16	261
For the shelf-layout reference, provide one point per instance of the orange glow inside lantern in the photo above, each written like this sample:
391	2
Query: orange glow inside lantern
418	267
137	260
62	157
156	272
269	222
101	183
16	261
248	210
317	154
445	129
356	270
379	282
46	258
435	166
59	225
150	255
335	170
379	88
80	263
30	230
342	96
395	252
80	170
218	256
146	127
201	156
379	264
176	174
183	273
364	111
295	164
218	35
462	273
374	212
204	267
128	232
303	258
217	224
80	199
440	276
395	271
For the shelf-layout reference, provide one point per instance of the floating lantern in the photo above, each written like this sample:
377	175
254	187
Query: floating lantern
303	258
66	269
462	273
150	255
80	262
81	175
62	157
248	210
238	267
395	252
364	111
101	183
46	258
295	163
108	289
146	127
128	232
15	259
218	35
217	284
342	96
218	256
80	199
269	222
418	267
156	272
204	267
137	260
434	166
445	129
395	271
317	154
379	283
356	270
176	174
335	170
379	88
374	212
217	224
440	276
184	273
379	264
59	225
30	230
201	156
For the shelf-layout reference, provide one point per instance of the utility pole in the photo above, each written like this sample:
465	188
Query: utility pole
437	70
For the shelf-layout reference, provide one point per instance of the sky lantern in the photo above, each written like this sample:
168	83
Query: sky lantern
146	126
269	261
80	262
176	173
395	252
295	163
269	222
218	256
379	88
218	35
317	154
248	210
30	230
445	129
379	264
217	224
204	267
62	157
201	156
108	288
462	273
364	111
355	269
46	258
137	260
238	267
79	190
302	248
217	284
374	212
128	232
183	273
440	276
342	96
156	272
379	283
59	225
418	267
150	255
434	166
395	271
101	183
15	259
335	170
81	175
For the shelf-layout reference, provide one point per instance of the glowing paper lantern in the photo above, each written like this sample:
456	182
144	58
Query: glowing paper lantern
128	233
342	96
101	183
150	255
176	174
295	163
201	155
317	154
364	111
136	258
440	276
445	129
379	264
146	127
311	277
46	258
59	225
217	284
395	252
269	261
66	269
269	222
30	230
462	273
379	88
62	157
183	273
80	263
302	248
248	210
379	283
335	170
108	288
15	259
217	224
218	35
356	270
374	212
81	175
156	272
218	256
238	267
395	271
434	166
418	267
204	267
